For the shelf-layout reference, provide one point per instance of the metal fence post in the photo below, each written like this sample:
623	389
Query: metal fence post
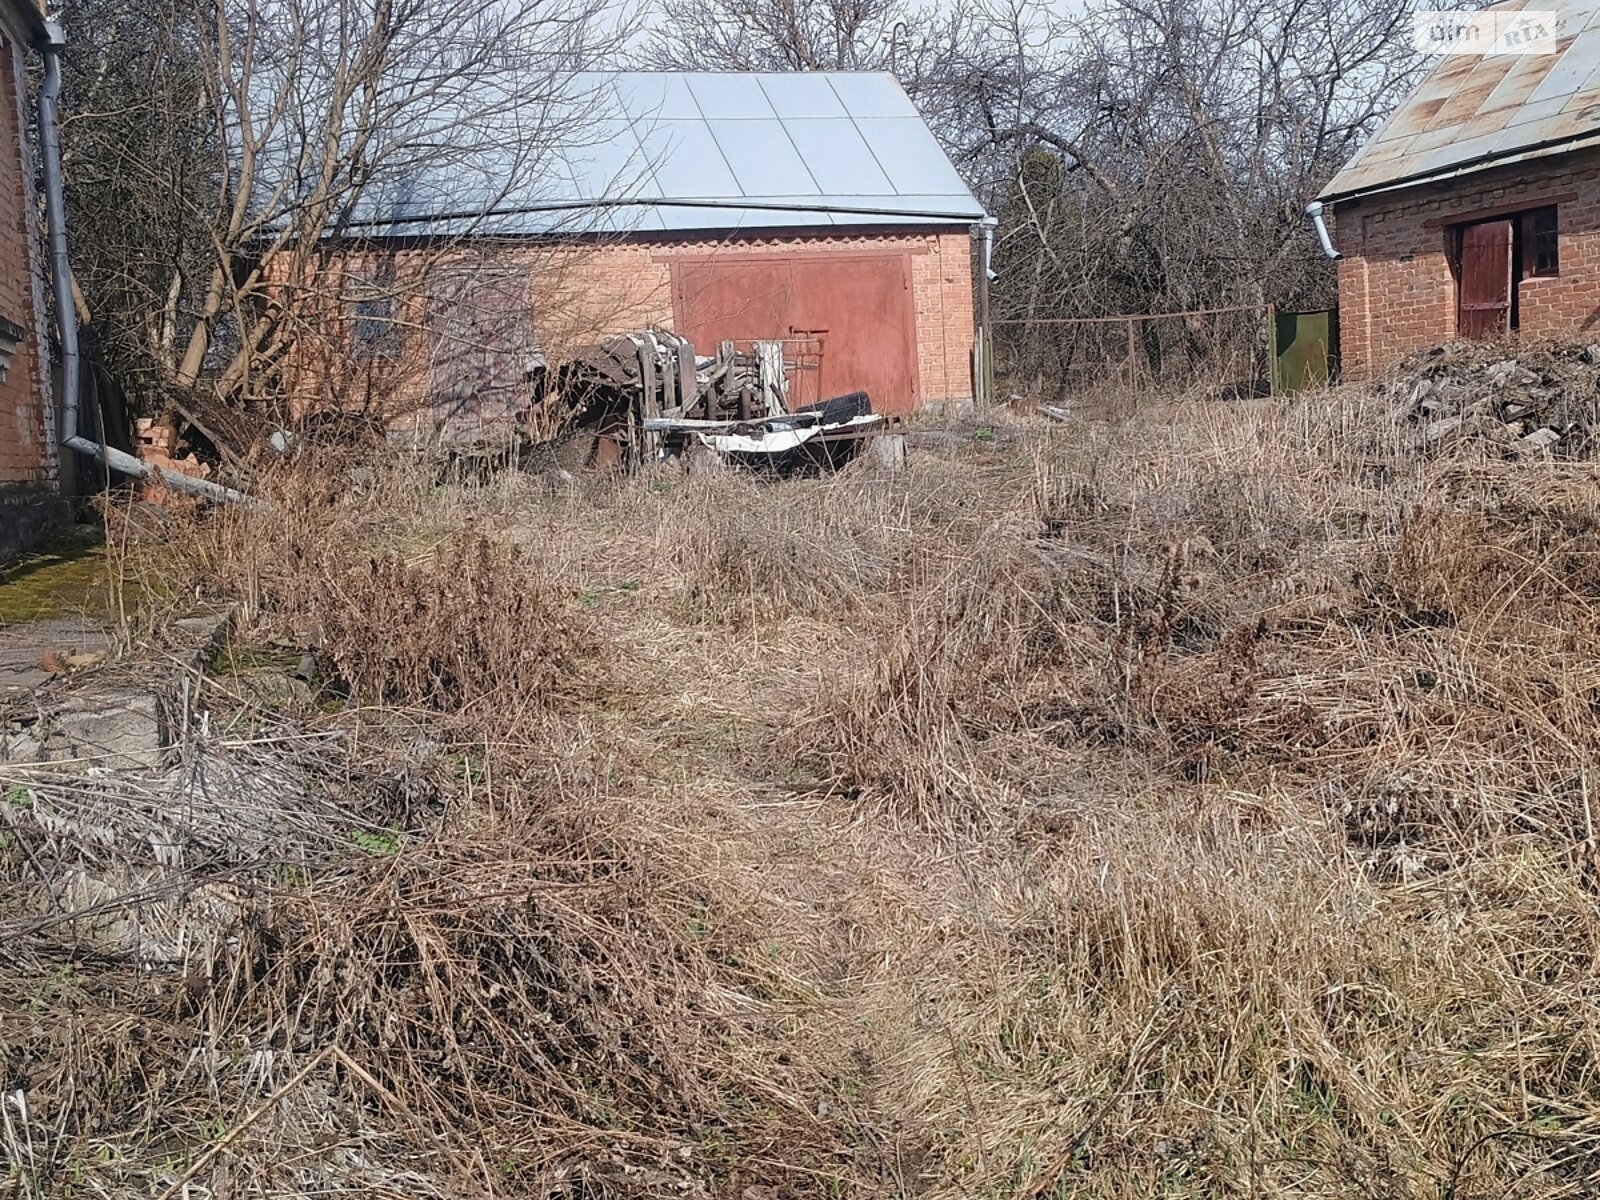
1133	368
1272	349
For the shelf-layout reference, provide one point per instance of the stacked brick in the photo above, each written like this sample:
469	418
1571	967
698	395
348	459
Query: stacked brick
154	445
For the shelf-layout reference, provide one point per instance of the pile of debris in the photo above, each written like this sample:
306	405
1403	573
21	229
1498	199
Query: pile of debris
1523	398
646	396
607	391
638	397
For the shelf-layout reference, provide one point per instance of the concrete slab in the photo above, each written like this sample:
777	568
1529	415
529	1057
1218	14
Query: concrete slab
117	729
24	645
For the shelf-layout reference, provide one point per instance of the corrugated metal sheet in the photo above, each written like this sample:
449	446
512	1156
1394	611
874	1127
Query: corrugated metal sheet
667	152
1474	112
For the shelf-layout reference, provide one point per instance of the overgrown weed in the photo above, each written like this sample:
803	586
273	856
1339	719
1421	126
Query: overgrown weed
1196	806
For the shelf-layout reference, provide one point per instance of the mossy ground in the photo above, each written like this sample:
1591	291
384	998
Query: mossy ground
67	577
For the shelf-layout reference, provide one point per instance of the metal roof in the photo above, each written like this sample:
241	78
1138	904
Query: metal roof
1474	112
667	152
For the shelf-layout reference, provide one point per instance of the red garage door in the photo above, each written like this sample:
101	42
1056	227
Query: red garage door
857	308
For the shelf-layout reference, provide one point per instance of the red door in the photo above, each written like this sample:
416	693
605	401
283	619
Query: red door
855	309
862	306
1484	302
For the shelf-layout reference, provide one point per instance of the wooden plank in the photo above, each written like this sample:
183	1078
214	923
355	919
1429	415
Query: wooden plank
771	381
647	443
688	382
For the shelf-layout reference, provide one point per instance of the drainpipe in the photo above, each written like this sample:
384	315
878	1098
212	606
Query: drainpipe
1314	211
986	228
61	284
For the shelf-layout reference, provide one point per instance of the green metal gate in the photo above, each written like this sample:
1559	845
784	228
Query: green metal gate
1305	350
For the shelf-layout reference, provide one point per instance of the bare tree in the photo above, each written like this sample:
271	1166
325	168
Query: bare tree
247	135
779	35
1156	155
135	134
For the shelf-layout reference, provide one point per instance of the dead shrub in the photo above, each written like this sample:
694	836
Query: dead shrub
898	739
454	622
957	667
1261	591
1188	981
471	631
750	550
538	995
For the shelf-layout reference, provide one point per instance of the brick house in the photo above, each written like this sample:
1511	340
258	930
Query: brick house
814	208
1475	210
30	495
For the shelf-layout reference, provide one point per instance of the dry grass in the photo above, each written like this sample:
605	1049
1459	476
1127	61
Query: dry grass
409	603
1194	808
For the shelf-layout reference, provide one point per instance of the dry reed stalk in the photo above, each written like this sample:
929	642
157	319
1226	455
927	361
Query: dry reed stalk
1199	808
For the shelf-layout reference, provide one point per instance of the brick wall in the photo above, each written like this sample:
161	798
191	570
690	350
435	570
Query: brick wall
1397	292
630	285
942	281
581	292
27	455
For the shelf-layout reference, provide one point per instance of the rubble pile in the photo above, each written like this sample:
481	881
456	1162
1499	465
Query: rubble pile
1522	398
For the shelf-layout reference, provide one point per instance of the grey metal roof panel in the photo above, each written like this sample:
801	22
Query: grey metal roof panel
656	94
686	161
909	156
729	97
610	162
821	140
838	157
1571	69
1456	152
763	158
1517	86
1473	112
1527	122
871	95
799	96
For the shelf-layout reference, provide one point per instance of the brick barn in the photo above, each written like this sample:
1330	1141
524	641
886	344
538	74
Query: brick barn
30	493
813	208
1475	210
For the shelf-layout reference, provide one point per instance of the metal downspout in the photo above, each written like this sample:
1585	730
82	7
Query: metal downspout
61	285
1319	223
985	371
